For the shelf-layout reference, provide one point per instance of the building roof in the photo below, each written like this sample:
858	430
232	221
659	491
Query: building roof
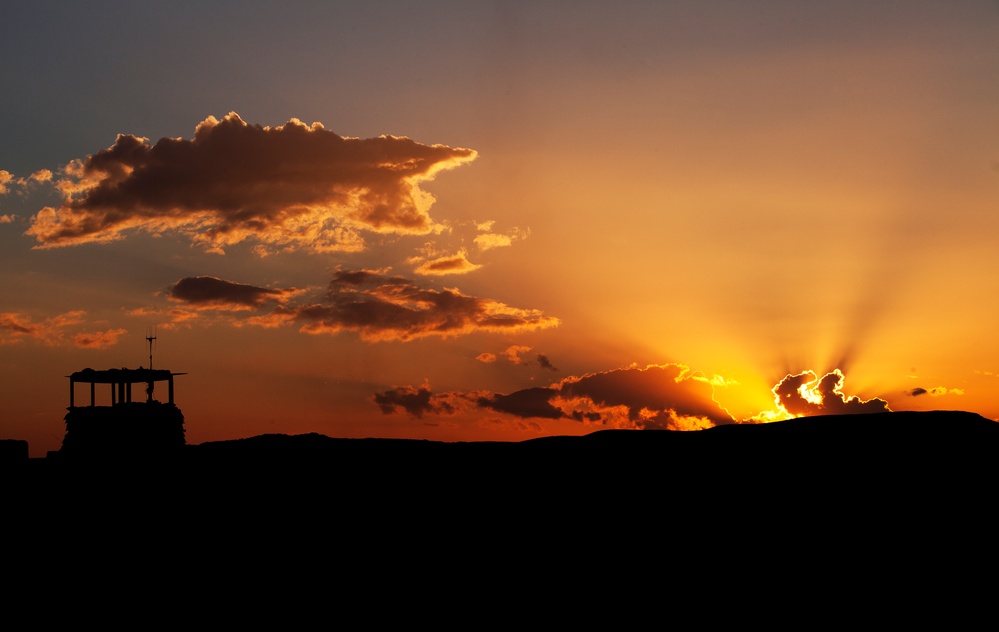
122	376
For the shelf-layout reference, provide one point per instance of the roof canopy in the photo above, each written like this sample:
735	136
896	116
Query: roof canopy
122	376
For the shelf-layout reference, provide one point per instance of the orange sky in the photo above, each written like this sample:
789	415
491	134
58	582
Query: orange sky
494	222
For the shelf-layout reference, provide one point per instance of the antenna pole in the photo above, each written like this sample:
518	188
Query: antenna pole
150	337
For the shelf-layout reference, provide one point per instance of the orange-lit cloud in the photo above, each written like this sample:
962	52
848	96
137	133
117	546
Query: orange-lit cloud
369	302
514	355
42	175
98	339
174	317
8	181
449	264
16	327
287	187
489	240
6	219
380	308
806	394
666	396
497	423
206	292
514	352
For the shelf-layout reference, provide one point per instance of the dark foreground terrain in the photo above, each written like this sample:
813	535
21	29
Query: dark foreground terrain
861	505
875	458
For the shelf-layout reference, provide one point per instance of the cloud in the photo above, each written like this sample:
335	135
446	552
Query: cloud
936	391
500	423
448	264
376	306
98	339
382	308
531	402
513	352
207	292
42	175
415	401
287	187
16	327
489	240
175	317
805	394
545	363
486	357
8	182
666	396
6	219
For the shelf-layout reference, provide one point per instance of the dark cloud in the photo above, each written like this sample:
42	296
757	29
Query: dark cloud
219	294
286	187
380	307
545	363
805	394
658	396
531	402
936	391
371	303
415	401
215	293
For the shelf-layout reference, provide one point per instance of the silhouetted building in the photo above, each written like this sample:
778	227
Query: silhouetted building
127	427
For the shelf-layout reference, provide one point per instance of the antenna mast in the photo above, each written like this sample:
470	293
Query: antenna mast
150	337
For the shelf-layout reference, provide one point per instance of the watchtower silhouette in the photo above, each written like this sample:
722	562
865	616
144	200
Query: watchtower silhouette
125	427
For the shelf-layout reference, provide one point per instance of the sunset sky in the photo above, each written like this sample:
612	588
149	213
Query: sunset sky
468	221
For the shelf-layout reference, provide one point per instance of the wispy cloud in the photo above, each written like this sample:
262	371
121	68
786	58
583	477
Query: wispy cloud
9	183
457	263
935	391
488	240
286	187
16	327
544	362
98	339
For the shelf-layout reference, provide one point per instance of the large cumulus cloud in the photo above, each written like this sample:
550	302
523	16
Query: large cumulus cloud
806	394
285	187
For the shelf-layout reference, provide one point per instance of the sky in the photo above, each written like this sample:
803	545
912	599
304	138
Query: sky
495	221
